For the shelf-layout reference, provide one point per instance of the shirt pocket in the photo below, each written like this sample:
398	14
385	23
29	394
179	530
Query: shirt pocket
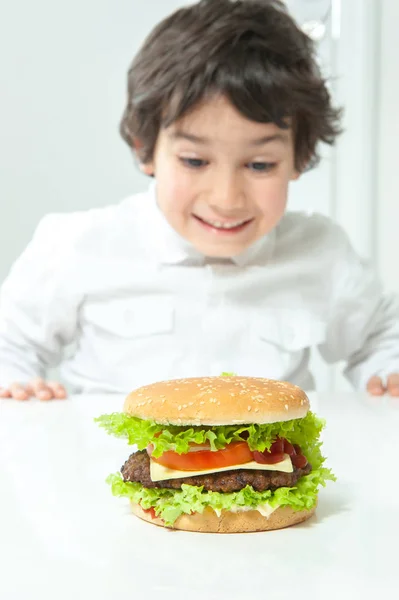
132	317
290	330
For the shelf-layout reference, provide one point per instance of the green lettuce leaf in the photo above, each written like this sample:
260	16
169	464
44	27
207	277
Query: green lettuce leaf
170	504
304	432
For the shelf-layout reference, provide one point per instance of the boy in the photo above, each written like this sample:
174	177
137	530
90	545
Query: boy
205	272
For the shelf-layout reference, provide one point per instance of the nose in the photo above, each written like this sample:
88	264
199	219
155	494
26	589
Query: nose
227	195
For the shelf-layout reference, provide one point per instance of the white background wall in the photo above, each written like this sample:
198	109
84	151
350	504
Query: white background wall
387	213
63	69
62	92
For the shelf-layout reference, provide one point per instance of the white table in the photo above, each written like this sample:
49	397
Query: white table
63	535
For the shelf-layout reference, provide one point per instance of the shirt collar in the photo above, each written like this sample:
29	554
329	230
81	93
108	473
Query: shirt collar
173	249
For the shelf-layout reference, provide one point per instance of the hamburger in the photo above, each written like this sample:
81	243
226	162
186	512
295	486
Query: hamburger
221	454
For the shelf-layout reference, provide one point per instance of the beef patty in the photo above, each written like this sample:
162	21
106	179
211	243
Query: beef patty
137	468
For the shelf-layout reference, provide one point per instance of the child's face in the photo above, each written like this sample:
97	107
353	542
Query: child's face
222	180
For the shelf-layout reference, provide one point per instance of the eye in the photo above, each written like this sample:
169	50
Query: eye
193	163
261	167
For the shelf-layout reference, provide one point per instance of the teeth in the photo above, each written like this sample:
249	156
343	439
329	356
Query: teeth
220	225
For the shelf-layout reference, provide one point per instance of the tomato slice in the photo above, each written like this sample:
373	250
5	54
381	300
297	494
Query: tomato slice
267	458
236	453
151	512
289	448
300	461
278	446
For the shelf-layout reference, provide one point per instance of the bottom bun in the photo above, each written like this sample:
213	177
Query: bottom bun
229	522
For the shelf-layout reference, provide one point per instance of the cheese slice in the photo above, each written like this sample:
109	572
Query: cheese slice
160	473
265	509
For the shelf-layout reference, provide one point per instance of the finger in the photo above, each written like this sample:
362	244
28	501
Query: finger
393	384
375	386
5	393
57	389
41	389
19	392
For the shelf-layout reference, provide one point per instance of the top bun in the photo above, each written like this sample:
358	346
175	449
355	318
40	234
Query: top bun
218	401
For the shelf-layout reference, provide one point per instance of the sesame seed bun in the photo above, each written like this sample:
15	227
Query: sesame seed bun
230	522
218	401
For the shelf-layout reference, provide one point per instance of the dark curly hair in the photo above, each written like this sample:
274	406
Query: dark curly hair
252	52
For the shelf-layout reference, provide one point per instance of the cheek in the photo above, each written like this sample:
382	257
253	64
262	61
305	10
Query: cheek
175	191
273	198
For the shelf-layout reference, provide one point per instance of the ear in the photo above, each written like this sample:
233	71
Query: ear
295	175
147	168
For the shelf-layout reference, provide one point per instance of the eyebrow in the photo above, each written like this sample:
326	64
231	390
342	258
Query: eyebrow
267	139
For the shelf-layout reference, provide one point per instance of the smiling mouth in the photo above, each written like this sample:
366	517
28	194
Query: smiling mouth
224	227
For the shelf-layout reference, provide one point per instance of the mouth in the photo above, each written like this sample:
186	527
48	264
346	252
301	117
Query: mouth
223	227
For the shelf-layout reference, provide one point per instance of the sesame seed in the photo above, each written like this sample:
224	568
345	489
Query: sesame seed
256	409
286	407
249	408
179	407
202	402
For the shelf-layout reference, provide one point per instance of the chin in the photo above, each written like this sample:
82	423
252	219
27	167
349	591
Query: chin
221	251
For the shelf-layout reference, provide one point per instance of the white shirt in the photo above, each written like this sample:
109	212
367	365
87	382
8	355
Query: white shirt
139	304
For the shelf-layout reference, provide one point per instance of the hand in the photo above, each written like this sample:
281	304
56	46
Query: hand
376	387
37	388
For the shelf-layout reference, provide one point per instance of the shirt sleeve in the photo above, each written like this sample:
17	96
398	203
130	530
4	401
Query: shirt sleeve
363	324
37	315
